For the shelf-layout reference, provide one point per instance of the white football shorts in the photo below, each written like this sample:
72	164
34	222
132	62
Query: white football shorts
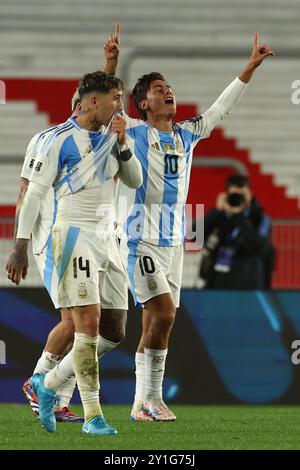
79	268
152	270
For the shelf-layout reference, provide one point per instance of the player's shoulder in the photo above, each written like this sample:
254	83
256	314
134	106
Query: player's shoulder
61	131
134	122
188	122
55	136
37	139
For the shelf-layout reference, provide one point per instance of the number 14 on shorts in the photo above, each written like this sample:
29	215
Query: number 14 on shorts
79	264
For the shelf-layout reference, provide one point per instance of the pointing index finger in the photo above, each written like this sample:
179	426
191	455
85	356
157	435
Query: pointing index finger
255	40
117	32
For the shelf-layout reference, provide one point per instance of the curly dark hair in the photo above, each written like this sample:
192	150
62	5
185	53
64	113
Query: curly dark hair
98	81
141	88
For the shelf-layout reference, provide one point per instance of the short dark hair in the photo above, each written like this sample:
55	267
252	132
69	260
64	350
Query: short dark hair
100	82
141	88
237	180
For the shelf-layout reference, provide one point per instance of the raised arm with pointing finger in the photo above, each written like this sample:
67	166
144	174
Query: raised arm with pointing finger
204	124
258	55
111	50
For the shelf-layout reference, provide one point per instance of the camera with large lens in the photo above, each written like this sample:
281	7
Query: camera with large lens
235	199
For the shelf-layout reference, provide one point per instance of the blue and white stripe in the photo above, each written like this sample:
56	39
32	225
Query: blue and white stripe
163	195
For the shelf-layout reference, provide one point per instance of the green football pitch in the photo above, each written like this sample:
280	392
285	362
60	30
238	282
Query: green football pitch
197	427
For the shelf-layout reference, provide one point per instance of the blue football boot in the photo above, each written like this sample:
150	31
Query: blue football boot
98	427
46	398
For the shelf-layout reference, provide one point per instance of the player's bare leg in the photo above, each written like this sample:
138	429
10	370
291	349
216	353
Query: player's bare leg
146	320
61	335
111	330
162	313
158	320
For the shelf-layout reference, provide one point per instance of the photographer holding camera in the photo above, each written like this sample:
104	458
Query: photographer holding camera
237	252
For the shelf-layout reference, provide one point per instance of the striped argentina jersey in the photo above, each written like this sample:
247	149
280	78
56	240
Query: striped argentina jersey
157	209
155	212
80	166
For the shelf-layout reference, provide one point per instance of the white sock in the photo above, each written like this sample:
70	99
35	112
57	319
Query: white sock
155	360
65	393
62	372
104	345
139	396
46	362
86	368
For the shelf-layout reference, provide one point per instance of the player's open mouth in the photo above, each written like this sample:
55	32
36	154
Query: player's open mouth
169	100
